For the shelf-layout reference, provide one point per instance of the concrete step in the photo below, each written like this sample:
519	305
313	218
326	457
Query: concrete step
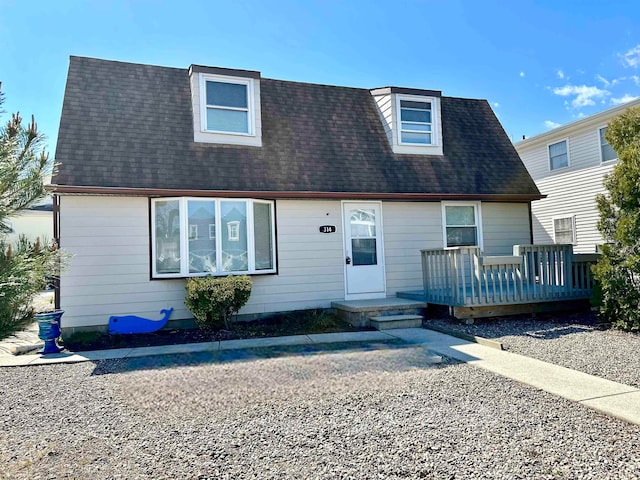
388	322
358	312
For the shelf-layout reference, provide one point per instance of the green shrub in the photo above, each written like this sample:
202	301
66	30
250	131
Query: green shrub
24	268
618	270
213	300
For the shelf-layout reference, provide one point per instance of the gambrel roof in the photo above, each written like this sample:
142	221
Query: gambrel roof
129	127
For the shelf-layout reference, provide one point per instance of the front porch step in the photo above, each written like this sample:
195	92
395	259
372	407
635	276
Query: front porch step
388	322
358	312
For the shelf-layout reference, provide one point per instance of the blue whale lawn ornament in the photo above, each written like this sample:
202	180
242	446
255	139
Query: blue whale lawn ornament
135	324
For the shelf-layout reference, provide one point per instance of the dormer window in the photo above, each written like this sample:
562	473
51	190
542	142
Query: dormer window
227	105
415	122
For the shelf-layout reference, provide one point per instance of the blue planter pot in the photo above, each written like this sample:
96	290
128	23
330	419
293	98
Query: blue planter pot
49	330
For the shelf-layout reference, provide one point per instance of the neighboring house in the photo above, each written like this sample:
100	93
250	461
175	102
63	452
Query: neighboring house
568	165
33	222
320	193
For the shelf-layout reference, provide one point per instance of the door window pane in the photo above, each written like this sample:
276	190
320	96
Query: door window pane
262	236
363	251
202	248
234	236
167	226
363	237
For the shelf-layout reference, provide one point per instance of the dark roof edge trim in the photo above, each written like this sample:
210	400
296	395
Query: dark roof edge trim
405	91
232	72
162	192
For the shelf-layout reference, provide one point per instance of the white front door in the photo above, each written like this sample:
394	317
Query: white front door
364	254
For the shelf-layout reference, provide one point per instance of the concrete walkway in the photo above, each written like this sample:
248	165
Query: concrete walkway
611	398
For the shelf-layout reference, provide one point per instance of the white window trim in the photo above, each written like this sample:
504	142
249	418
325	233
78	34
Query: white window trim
434	120
212	231
251	108
184	243
233	228
566	139
478	219
574	233
600	146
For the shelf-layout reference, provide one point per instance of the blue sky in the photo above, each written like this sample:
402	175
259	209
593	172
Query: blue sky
539	63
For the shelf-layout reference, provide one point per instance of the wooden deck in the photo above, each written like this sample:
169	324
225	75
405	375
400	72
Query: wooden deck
534	274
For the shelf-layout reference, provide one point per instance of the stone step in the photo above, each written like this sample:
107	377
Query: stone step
387	322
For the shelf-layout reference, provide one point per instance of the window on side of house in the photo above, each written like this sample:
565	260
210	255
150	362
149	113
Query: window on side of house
607	152
244	244
564	230
558	155
227	105
461	225
416	121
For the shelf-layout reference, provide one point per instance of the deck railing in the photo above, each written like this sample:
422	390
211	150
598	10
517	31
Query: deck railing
461	276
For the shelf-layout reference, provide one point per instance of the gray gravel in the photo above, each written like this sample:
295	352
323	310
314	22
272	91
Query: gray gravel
343	414
573	341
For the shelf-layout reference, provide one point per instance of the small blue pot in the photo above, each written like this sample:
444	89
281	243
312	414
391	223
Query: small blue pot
49	330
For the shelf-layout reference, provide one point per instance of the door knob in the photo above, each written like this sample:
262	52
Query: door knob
348	260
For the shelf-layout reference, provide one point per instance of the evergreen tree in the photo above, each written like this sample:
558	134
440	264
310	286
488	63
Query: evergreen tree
24	266
618	271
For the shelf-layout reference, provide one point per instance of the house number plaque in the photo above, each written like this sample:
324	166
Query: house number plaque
328	229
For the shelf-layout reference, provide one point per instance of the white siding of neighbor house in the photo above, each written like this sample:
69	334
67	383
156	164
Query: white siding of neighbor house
570	191
571	194
32	224
109	238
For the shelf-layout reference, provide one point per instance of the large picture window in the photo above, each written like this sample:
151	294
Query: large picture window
241	237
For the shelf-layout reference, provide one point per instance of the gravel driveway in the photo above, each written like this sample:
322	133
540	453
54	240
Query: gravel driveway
342	414
573	341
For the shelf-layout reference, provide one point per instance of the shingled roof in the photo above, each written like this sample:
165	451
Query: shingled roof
129	127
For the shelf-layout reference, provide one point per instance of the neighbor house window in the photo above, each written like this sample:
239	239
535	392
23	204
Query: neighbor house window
461	224
606	151
558	156
227	105
247	244
564	230
416	121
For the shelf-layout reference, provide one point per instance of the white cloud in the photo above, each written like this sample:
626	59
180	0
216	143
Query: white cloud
560	74
604	81
626	98
521	74
636	79
549	124
584	96
632	57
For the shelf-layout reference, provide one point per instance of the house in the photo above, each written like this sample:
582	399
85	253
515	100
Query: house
33	222
320	193
568	165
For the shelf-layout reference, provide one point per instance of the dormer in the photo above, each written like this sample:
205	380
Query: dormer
226	106
411	118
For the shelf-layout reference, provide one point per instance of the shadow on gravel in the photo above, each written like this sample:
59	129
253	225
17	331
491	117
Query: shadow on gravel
106	367
558	332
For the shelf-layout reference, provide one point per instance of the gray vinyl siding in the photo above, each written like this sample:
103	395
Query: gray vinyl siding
109	273
503	226
409	228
